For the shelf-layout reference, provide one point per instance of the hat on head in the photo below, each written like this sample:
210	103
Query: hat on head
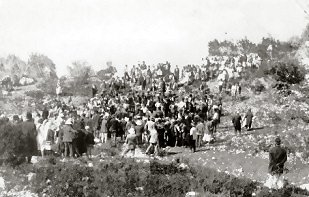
278	141
16	117
87	127
69	121
131	131
139	122
29	115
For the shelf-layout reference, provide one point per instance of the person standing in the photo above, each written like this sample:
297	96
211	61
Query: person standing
68	135
94	90
58	89
237	123
162	86
153	141
193	137
176	73
30	134
89	140
248	117
103	129
130	142
114	128
95	123
215	118
200	128
139	129
277	158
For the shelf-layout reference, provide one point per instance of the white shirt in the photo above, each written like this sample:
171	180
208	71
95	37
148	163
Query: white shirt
193	133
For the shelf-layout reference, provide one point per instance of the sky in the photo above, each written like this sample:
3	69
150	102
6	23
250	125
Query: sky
131	31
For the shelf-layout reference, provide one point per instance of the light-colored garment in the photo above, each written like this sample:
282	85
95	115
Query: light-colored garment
193	133
153	136
274	181
42	134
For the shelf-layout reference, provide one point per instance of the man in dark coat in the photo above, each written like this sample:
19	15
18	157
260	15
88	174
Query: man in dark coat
176	74
139	130
237	123
95	122
249	117
94	90
29	133
277	158
68	134
113	128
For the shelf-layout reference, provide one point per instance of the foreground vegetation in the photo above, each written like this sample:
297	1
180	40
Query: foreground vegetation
113	176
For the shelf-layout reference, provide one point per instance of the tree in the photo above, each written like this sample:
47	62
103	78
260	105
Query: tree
228	48
40	66
245	46
216	48
80	72
305	35
213	47
14	65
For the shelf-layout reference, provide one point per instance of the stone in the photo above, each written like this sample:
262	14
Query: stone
2	184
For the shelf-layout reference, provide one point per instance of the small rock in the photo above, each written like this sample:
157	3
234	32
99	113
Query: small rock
2	184
192	194
31	176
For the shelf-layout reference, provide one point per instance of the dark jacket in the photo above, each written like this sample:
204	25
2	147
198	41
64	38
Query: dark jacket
237	122
68	133
277	158
249	117
29	133
139	129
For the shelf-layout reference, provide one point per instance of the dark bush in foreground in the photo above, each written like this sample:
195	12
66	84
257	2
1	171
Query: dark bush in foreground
11	144
128	178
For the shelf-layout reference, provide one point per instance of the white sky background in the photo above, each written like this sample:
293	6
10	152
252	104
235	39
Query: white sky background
128	31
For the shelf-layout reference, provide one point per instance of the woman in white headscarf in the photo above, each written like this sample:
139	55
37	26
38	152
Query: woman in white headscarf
131	141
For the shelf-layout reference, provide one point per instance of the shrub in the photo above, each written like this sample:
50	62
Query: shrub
123	178
65	180
11	144
258	87
48	86
37	94
287	71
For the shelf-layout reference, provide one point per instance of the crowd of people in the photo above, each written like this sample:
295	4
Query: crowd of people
144	109
154	110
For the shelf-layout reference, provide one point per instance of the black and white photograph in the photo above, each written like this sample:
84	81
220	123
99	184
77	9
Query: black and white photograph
154	98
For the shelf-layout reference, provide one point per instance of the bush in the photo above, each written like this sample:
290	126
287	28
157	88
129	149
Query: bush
128	178
287	71
65	180
48	85
257	87
37	94
11	144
